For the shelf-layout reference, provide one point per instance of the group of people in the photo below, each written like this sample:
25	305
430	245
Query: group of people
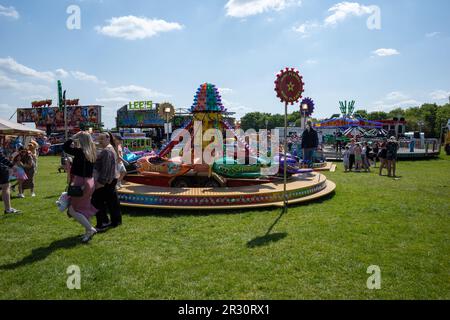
97	174
362	155
22	164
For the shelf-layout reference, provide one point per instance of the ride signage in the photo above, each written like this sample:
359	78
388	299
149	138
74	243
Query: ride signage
289	85
140	105
289	88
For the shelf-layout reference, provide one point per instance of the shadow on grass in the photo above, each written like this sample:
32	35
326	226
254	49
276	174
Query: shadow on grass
173	213
268	237
274	237
325	198
265	240
56	196
43	252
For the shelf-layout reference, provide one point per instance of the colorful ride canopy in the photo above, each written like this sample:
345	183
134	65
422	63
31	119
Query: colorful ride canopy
345	123
207	99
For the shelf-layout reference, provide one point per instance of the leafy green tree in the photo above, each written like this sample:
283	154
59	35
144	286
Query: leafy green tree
377	115
428	112
442	116
399	113
363	113
432	116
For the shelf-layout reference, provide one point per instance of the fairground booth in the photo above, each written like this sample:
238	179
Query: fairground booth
14	134
50	119
142	123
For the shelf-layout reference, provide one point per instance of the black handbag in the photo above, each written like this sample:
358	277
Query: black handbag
75	191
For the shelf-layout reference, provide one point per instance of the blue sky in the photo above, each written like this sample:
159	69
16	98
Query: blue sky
163	50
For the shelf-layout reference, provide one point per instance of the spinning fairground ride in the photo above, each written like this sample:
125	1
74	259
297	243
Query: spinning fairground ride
178	178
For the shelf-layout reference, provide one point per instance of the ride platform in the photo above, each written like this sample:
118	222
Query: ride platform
300	188
326	166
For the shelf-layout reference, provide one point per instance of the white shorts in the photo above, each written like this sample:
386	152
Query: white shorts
121	168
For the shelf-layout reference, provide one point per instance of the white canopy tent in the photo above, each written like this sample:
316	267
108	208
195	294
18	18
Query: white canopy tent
12	128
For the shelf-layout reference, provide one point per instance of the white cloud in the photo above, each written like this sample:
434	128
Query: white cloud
112	99
386	52
338	13
223	91
306	28
12	66
21	87
343	10
440	95
6	111
240	109
311	62
393	100
61	73
134	92
245	8
85	77
404	104
396	95
35	97
133	28
9	12
432	34
7	83
386	106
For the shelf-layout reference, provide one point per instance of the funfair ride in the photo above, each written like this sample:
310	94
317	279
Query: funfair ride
167	180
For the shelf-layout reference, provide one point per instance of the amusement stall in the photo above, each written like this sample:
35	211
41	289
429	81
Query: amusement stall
141	124
14	134
50	119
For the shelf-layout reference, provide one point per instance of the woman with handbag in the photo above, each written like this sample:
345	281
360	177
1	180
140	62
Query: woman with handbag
82	183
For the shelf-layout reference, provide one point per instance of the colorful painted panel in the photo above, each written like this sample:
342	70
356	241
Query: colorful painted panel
86	116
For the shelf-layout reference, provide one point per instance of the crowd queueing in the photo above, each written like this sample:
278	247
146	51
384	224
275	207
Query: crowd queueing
361	156
94	175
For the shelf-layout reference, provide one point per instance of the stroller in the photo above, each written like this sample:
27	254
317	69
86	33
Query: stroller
66	163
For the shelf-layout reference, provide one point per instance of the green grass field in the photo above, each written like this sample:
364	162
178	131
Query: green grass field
316	251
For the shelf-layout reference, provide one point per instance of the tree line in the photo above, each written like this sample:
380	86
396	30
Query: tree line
430	118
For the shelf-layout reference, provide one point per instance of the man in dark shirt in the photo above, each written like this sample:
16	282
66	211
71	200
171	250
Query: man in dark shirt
5	165
310	142
105	195
392	147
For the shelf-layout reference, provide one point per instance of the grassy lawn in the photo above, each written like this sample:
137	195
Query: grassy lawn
316	251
